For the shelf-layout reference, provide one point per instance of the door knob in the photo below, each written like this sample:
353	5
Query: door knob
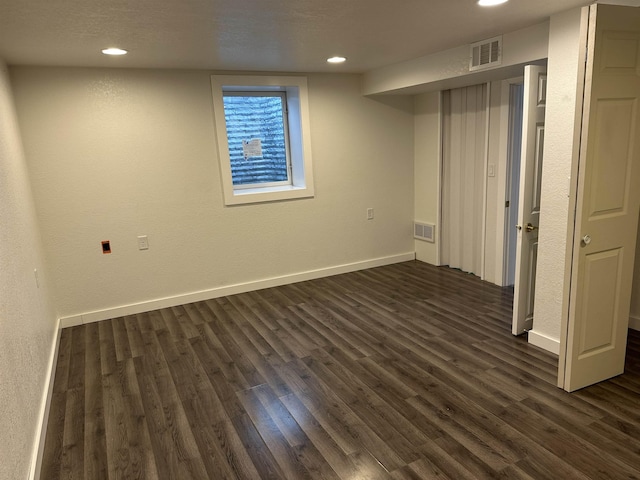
586	239
530	228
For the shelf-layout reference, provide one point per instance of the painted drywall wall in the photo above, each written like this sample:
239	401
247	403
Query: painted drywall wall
427	135
495	180
27	320
560	122
117	153
560	43
427	159
450	69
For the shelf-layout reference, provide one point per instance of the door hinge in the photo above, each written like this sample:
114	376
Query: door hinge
506	204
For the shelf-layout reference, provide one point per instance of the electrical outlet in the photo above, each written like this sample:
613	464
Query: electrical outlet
143	242
369	213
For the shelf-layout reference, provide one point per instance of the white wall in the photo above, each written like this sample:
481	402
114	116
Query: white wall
27	321
427	159
119	153
426	175
495	197
560	123
450	69
561	44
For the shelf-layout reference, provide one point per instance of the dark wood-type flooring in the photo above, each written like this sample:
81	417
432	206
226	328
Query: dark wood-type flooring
401	372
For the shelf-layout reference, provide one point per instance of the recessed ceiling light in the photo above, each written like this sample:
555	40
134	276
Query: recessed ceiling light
336	60
114	51
490	3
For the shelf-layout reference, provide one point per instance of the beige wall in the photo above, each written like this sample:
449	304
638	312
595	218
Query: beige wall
427	173
115	154
27	320
563	60
426	176
494	228
450	68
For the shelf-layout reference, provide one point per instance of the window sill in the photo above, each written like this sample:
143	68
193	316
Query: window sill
268	194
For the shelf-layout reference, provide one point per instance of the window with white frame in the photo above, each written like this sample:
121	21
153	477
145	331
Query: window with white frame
262	126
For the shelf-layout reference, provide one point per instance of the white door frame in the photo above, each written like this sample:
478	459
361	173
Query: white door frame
505	181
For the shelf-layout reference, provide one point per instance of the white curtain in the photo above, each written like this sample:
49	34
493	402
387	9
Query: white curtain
464	148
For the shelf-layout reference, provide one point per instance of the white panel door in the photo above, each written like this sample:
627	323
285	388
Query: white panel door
608	201
534	105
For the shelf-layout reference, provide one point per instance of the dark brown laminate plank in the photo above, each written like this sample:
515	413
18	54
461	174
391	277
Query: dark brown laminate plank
406	371
95	447
107	348
577	452
72	461
187	324
319	438
267	427
52	453
349	425
220	447
224	328
165	416
121	339
136	345
265	463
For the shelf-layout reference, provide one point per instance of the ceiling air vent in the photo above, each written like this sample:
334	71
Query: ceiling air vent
486	54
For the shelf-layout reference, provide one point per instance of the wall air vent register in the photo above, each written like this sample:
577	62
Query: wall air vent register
424	231
485	54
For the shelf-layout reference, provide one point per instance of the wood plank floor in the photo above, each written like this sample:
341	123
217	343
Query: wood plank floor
401	372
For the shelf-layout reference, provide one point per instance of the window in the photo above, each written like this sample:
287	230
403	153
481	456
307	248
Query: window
262	129
257	136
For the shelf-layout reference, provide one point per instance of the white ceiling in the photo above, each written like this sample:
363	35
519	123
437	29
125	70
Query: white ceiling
259	35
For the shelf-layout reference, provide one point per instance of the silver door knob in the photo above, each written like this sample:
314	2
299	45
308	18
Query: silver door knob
530	228
586	239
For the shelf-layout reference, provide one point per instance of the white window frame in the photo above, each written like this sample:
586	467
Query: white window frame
298	133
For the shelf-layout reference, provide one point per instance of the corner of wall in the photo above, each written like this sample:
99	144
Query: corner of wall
45	406
27	316
427	165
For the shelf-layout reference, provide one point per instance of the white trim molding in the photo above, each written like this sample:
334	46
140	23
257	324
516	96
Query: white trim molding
634	322
549	344
45	406
120	311
299	136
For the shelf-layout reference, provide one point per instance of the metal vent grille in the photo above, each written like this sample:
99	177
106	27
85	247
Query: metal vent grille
485	54
424	231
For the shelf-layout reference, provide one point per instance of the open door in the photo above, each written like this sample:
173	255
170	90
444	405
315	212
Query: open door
535	88
607	201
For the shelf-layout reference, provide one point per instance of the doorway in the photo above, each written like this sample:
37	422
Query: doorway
514	142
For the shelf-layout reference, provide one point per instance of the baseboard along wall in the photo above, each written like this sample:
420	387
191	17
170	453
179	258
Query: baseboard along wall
45	406
120	311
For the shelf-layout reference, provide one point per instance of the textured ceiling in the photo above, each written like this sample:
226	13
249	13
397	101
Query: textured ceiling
264	35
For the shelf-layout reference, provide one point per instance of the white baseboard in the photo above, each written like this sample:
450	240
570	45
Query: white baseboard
549	344
45	406
553	346
147	306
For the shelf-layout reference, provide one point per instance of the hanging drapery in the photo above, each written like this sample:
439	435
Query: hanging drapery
463	151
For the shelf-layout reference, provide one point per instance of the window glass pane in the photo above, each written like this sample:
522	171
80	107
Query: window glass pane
256	136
